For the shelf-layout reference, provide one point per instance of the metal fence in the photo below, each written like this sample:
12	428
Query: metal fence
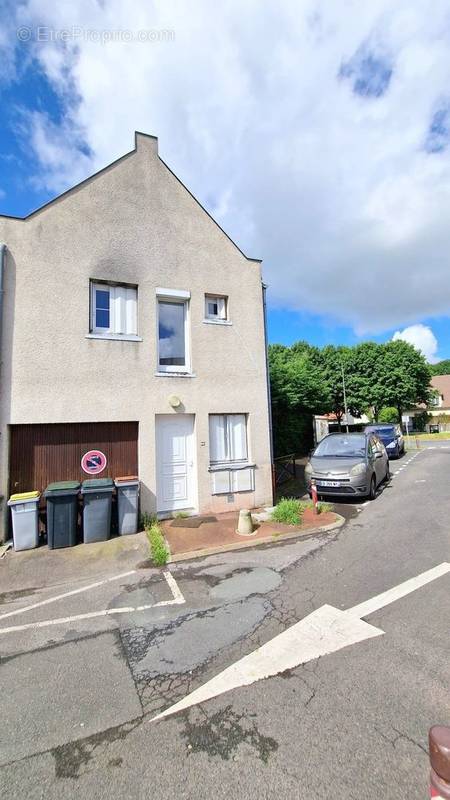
285	469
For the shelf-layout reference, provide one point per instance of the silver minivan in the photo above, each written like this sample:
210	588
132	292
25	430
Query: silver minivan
348	464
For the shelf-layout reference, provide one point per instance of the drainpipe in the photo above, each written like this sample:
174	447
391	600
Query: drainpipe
2	291
269	398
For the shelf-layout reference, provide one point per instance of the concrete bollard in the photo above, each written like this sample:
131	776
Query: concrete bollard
439	746
245	524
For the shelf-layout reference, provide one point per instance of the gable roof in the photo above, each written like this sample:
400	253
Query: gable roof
113	164
442	384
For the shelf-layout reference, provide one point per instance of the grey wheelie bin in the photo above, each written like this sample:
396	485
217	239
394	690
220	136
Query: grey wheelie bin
62	513
97	501
25	519
127	489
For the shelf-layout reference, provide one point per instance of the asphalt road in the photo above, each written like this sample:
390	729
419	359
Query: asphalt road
78	698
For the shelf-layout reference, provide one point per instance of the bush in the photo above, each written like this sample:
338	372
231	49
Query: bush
158	549
289	511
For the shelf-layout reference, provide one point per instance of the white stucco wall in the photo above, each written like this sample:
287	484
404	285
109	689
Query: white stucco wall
134	223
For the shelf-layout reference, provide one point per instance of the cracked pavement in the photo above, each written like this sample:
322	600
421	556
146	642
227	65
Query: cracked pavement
78	699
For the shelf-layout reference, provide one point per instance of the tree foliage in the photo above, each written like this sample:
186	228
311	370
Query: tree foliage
388	414
441	368
307	380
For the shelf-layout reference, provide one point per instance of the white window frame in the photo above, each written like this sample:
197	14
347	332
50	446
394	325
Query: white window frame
182	299
228	461
222	302
111	331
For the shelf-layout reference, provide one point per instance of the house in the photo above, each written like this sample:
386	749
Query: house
438	409
133	325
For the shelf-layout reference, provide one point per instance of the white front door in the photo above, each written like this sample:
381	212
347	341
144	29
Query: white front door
176	482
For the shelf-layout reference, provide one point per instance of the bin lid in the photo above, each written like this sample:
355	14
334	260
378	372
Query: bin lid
127	480
23	496
61	485
97	484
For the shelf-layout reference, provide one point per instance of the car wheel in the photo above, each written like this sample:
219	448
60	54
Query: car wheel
387	477
373	488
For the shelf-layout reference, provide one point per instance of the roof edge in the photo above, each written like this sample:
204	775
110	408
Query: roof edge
248	258
71	188
113	163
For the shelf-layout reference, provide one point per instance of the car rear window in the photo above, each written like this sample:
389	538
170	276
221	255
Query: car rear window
341	446
385	431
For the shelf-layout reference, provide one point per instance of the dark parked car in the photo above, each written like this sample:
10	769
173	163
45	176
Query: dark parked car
348	463
391	436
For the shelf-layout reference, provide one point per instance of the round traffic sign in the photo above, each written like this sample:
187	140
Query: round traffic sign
93	462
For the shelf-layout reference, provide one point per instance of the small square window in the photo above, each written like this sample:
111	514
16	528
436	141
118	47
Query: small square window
113	309
216	307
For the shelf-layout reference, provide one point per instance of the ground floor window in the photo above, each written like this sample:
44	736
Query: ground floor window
228	438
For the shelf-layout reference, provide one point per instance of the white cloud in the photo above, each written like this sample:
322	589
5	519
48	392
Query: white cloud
303	126
423	339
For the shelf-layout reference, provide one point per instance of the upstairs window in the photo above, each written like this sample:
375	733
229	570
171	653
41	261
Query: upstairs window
216	307
113	309
173	350
227	438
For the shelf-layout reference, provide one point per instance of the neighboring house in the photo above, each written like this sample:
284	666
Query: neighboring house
438	408
132	324
328	423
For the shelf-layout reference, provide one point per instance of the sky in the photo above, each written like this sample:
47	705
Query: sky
316	133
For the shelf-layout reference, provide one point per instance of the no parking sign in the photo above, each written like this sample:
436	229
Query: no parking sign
93	462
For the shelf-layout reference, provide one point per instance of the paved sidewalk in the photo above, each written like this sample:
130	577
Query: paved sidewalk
42	567
218	536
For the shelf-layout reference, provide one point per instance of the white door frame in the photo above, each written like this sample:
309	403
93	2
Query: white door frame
191	504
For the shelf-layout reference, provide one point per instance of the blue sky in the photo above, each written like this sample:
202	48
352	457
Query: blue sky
318	137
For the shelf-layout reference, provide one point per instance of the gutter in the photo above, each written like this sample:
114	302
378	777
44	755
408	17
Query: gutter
269	397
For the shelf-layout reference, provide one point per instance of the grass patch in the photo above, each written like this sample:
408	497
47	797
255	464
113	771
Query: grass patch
147	520
289	511
155	536
428	436
158	549
181	515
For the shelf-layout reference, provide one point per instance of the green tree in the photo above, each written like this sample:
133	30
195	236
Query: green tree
388	414
441	368
368	378
336	363
298	390
406	376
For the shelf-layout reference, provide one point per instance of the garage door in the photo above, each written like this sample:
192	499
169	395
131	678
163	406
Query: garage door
40	454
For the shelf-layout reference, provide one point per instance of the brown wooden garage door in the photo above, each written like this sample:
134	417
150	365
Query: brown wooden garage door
41	454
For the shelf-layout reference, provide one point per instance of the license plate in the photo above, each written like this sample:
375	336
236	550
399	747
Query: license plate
328	483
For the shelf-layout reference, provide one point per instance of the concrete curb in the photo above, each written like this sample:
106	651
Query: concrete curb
272	539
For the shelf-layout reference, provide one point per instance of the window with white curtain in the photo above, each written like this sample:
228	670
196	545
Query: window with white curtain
113	309
227	438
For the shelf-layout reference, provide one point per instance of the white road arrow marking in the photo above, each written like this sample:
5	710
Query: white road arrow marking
325	631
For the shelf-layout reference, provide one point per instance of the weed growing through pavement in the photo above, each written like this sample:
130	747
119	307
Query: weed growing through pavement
155	536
